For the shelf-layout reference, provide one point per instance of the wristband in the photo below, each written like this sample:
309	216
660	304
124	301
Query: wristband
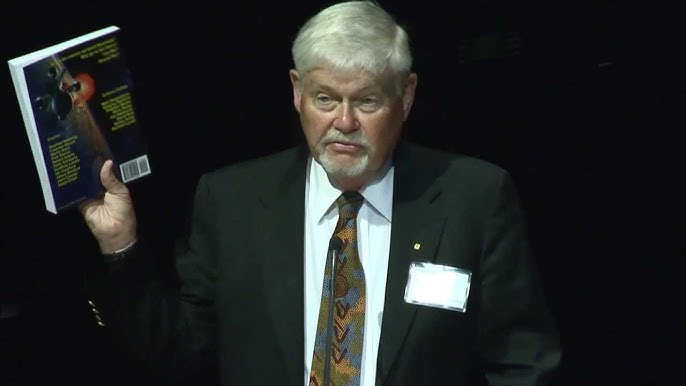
120	254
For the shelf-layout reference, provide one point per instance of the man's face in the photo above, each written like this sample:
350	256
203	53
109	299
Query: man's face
351	121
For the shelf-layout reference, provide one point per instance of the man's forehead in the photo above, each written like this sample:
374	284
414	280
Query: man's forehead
361	79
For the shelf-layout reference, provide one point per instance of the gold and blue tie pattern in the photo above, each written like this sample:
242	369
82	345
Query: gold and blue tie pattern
345	346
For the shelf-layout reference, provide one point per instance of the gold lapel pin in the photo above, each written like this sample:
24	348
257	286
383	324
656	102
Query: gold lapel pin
417	246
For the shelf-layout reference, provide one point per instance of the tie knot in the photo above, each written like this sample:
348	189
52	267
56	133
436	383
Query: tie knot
349	203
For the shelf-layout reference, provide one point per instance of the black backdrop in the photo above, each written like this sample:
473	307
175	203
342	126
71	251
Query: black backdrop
586	118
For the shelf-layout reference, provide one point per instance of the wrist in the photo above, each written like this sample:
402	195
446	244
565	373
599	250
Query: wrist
109	245
120	253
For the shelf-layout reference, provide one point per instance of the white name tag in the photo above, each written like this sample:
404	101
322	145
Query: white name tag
438	286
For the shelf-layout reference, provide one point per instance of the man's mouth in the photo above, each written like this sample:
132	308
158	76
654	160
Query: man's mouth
344	146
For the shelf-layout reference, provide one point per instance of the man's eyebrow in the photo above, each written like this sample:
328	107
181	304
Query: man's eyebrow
318	86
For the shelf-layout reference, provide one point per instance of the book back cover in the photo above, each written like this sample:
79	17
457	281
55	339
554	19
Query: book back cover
84	112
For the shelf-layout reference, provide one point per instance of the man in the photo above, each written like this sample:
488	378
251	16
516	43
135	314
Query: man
450	293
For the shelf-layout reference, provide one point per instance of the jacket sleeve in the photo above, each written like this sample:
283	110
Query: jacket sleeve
518	339
164	324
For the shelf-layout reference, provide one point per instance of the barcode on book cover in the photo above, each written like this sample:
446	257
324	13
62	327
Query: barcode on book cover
135	168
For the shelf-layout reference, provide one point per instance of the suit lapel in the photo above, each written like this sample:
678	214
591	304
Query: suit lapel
282	263
416	230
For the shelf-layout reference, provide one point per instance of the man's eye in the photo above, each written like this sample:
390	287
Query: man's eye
323	99
368	101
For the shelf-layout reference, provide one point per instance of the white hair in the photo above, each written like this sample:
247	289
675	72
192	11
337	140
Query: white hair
353	36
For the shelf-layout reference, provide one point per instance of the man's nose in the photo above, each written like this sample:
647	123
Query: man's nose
346	121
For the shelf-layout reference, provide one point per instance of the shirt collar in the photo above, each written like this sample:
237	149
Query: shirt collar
378	193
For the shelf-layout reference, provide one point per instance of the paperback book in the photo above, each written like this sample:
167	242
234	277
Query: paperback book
77	103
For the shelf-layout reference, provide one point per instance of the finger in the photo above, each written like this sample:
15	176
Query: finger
84	206
87	207
109	179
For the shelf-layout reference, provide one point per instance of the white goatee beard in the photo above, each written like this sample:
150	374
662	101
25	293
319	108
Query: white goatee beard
334	168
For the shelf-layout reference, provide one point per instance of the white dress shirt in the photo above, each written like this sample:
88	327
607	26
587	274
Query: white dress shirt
374	239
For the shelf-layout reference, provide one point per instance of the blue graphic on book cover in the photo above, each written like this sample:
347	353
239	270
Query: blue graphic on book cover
83	106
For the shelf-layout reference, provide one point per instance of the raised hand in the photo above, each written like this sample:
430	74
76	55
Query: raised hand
111	216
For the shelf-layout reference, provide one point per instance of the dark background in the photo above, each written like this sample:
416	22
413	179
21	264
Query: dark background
585	110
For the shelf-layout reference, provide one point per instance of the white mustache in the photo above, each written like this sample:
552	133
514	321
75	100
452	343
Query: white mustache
356	138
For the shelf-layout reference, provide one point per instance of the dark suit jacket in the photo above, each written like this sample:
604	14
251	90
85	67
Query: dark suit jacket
240	303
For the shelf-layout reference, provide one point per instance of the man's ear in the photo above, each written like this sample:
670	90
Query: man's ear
408	93
297	89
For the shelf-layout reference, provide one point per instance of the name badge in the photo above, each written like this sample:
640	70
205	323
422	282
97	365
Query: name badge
439	286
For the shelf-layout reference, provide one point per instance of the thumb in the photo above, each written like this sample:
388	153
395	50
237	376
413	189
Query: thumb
109	179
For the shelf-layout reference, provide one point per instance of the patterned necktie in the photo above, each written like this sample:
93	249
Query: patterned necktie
349	304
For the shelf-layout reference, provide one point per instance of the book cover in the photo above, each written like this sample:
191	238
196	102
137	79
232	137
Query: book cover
77	102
